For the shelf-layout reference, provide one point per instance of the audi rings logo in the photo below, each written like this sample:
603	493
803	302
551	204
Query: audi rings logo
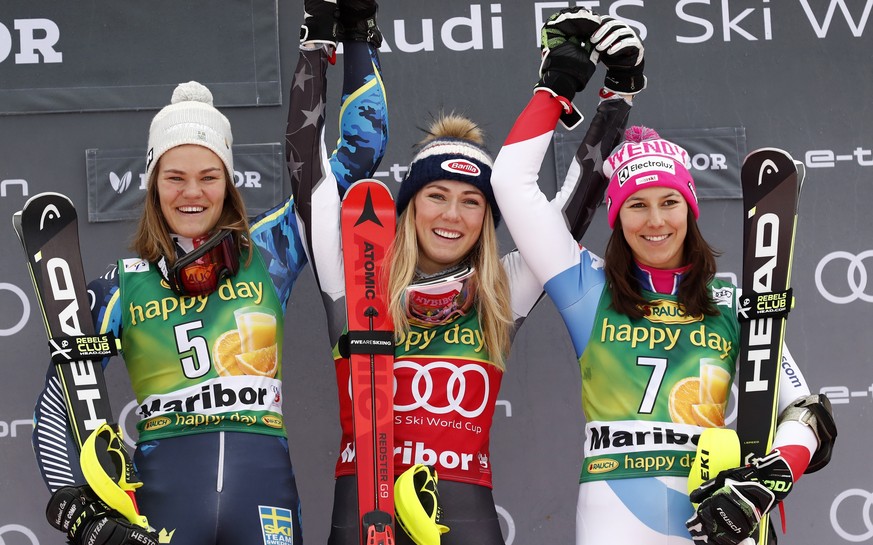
865	502
128	419
508	525
462	389
6	532
25	309
856	277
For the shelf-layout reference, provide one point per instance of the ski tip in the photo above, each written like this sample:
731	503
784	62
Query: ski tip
768	151
801	171
366	182
46	194
368	192
16	223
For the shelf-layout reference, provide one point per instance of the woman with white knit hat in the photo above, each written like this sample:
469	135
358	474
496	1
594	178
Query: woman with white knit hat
200	314
655	333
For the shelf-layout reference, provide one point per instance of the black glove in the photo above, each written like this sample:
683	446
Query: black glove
732	504
621	51
358	21
567	65
319	22
79	513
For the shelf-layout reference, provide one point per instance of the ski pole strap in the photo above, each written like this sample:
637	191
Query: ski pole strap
366	342
765	305
82	347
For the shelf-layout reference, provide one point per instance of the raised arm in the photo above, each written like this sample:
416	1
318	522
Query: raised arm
544	236
318	180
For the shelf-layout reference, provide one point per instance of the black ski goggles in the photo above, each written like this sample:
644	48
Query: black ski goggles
200	271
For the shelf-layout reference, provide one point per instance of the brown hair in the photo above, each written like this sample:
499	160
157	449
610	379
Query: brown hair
693	294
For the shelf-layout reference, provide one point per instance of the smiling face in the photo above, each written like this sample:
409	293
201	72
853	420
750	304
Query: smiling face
192	184
654	222
448	222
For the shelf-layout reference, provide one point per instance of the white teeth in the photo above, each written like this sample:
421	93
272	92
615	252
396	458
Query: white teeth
447	234
191	209
656	238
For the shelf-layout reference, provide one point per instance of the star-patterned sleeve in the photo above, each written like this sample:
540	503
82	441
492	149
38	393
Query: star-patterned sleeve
363	138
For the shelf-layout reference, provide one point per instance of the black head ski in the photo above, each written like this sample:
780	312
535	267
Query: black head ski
48	229
771	189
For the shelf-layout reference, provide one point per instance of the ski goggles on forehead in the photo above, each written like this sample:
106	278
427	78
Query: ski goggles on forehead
201	270
441	299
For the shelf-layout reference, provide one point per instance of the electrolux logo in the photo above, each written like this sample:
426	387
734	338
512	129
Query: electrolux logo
36	39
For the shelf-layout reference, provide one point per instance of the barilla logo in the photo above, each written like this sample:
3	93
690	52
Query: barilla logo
461	166
603	465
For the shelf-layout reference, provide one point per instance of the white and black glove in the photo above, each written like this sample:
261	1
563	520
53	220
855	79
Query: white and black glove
732	504
621	51
567	65
79	513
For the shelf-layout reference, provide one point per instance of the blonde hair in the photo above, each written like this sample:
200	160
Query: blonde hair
492	286
152	238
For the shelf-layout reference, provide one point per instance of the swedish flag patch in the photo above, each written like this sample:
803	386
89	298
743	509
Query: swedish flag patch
277	525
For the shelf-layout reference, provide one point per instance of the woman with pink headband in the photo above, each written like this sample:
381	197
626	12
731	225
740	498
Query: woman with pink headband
655	333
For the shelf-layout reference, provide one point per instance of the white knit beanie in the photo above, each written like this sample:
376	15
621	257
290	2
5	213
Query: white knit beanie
190	118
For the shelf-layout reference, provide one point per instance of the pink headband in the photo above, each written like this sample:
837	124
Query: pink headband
646	160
